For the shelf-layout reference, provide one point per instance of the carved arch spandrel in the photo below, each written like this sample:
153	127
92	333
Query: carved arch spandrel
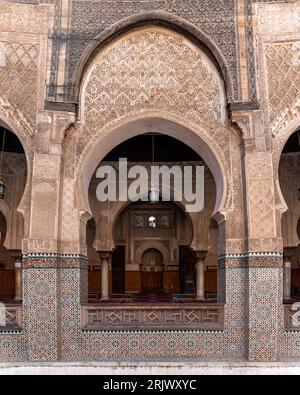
161	19
180	85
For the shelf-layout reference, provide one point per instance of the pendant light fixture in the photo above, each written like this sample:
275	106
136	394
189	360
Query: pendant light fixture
154	193
2	185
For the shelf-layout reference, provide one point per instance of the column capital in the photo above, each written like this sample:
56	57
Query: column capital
289	252
104	255
201	255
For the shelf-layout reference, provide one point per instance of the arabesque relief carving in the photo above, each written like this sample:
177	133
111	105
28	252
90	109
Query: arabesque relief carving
153	70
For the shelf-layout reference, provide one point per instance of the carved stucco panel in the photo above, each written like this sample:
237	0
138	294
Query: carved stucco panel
262	221
44	199
69	222
278	19
25	18
153	70
47	166
19	84
283	65
261	202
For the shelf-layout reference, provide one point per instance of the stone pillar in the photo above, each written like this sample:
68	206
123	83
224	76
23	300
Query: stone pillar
263	257
200	272
51	264
287	273
18	280
105	260
40	261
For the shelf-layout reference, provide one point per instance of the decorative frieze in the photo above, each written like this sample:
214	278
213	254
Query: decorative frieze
145	317
51	261
251	260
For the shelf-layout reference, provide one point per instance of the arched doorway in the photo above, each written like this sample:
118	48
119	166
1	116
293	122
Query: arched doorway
14	175
169	111
152	270
4	256
289	177
131	230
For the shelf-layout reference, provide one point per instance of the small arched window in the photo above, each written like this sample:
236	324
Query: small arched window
152	223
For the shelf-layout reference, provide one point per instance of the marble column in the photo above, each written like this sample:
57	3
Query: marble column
287	273
200	273
105	260
18	281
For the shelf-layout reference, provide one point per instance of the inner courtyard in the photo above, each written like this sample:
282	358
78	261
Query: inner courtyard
89	86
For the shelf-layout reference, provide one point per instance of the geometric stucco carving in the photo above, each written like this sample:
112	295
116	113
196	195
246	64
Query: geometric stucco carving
25	18
153	69
283	63
22	26
19	85
215	18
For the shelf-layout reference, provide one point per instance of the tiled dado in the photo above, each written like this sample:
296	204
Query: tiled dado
55	289
45	307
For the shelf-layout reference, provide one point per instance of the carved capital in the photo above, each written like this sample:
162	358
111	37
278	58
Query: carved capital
289	252
200	255
105	256
244	121
249	145
61	122
220	217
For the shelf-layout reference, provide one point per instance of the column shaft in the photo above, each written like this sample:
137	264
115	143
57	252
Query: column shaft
105	259
200	276
18	281
287	280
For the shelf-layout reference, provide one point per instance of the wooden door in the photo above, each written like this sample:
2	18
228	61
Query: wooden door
118	270
152	282
187	270
152	272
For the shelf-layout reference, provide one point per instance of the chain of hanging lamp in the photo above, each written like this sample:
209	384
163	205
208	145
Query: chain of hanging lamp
2	185
154	194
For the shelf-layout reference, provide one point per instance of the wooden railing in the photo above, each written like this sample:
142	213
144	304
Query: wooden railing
147	317
13	316
292	317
